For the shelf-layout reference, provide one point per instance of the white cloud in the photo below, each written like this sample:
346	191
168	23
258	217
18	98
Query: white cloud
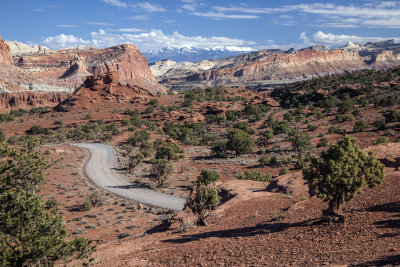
38	10
191	5
139	17
146	6
63	41
154	40
100	24
220	15
304	38
117	3
331	39
66	26
128	30
377	14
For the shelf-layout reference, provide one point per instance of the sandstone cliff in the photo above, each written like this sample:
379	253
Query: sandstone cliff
28	100
271	67
5	53
70	67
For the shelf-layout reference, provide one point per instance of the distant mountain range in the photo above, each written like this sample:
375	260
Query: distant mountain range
194	54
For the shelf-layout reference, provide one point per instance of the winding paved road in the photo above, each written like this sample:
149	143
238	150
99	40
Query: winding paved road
100	168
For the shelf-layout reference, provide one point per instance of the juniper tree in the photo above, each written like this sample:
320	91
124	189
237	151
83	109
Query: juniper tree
343	171
204	197
29	234
239	141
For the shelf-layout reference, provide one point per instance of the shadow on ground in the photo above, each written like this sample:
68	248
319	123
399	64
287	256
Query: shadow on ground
246	231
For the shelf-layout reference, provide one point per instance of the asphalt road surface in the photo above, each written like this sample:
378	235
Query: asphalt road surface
100	168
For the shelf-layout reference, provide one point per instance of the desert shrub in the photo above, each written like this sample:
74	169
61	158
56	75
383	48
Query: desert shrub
323	142
153	102
232	115
280	127
381	140
2	136
336	129
288	116
300	141
146	148
255	175
239	141
37	129
204	197
218	119
392	115
167	150
219	149
96	199
134	160
87	204
207	177
139	137
360	126
244	126
6	117
162	169
188	133
380	124
149	110
284	171
318	114
264	160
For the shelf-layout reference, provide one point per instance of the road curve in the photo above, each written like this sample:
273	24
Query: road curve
100	168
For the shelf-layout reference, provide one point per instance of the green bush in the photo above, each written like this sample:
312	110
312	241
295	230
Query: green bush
239	141
255	175
360	126
139	137
167	150
284	171
162	169
219	149
323	142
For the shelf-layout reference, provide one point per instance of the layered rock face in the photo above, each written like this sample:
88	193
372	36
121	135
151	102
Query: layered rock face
103	88
28	100
270	67
5	53
70	67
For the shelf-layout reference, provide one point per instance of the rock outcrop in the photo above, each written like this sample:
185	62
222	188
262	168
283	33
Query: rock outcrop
107	87
70	67
5	53
28	100
271	67
21	49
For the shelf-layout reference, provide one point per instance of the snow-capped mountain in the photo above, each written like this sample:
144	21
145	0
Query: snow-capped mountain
194	54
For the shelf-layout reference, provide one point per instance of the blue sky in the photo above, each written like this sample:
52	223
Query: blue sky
240	24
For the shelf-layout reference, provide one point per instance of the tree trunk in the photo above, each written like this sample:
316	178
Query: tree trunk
334	211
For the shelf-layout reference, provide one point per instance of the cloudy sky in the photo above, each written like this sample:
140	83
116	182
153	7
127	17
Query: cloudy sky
155	24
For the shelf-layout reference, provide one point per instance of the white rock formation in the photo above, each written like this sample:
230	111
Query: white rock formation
21	49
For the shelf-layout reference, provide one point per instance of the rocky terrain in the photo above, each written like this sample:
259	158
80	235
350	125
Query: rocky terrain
70	67
265	68
275	222
38	76
100	88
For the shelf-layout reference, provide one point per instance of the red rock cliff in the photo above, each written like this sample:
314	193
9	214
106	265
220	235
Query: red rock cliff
69	68
5	53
